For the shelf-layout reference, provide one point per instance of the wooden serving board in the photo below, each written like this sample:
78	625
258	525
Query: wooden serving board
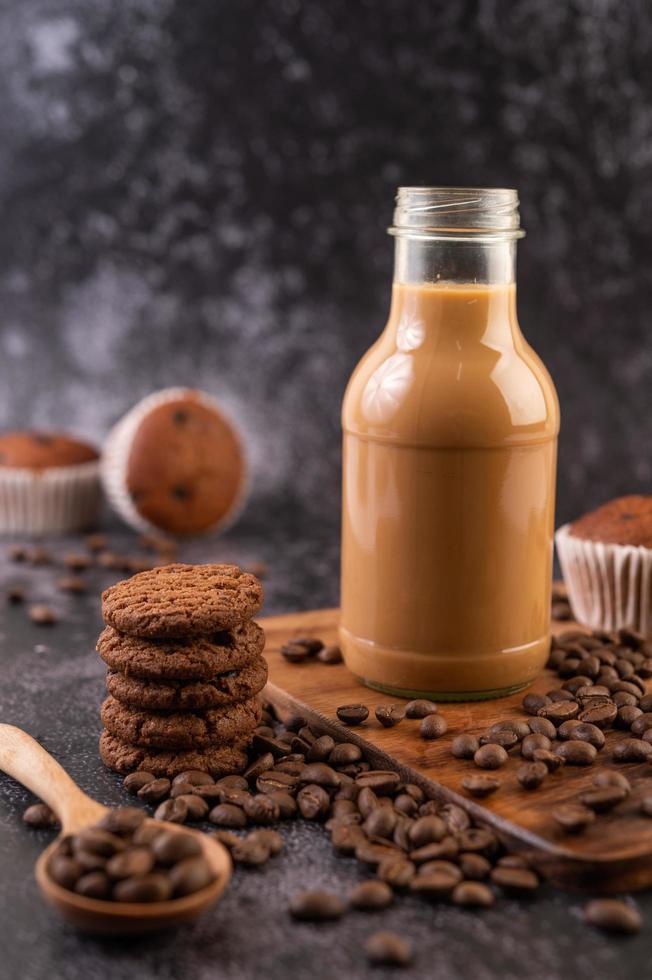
613	854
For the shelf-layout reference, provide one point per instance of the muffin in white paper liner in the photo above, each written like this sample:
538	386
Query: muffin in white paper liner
609	585
55	500
117	448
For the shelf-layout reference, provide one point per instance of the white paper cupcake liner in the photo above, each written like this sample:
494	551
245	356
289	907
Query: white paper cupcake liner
52	501
609	585
115	460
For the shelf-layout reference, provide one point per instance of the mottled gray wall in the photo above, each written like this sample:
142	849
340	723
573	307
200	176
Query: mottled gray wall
196	191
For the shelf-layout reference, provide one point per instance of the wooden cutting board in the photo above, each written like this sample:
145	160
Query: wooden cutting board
614	854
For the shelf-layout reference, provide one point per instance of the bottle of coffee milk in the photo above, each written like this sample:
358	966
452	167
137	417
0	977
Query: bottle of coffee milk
450	441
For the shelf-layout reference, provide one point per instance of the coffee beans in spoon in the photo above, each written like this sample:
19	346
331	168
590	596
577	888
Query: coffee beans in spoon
132	862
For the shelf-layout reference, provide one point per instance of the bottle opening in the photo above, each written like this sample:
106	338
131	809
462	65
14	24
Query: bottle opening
467	213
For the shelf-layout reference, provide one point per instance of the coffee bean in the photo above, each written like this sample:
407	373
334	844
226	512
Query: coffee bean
390	714
380	822
533	742
532	774
578	683
427	830
352	714
295	653
559	711
190	876
374	854
582	732
40	816
170	846
136	780
367	801
420	708
273	782
330	655
98	841
371	896
456	819
261	808
316	906
231	795
173	811
433	726
130	863
512	861
42	615
446	850
16	595
532	703
490	757
95	884
287	806
154	790
506	738
321	774
541	726
64	870
611	777
182	789
228	815
145	834
74	584
551	761
345	838
573	818
345	753
520	728
627	715
270	838
233	782
464	746
479	785
576	753
473	894
381	781
603	799
515	881
311	643
313	802
90	861
197	807
320	749
612	915
632	750
602	715
257	767
265	744
388	949
251	852
440	880
153	887
474	866
397	872
642	723
645	804
476	839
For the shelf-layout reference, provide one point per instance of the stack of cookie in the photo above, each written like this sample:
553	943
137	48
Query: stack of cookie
185	667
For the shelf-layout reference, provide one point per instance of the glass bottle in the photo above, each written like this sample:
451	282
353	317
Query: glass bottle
450	441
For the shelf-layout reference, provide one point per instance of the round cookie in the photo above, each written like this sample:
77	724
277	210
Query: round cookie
180	729
195	659
220	760
224	689
182	600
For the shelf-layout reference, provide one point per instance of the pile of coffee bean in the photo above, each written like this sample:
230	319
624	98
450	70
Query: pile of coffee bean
124	859
301	649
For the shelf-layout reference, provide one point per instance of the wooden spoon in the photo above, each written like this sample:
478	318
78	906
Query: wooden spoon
28	762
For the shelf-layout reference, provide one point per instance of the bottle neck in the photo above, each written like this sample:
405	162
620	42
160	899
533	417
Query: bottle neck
448	260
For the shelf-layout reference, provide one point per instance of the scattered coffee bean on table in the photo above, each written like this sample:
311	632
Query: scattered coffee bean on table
352	714
490	757
480	786
434	726
573	818
473	894
40	816
330	655
420	708
464	746
316	906
531	774
42	615
371	896
613	915
388	949
390	714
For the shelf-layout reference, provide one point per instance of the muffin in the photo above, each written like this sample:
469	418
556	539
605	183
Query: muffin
49	483
175	464
606	559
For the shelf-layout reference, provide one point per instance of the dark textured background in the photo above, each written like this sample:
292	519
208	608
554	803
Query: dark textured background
197	192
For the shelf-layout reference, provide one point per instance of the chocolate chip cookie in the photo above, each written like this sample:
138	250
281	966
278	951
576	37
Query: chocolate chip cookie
218	760
180	729
196	659
223	689
182	600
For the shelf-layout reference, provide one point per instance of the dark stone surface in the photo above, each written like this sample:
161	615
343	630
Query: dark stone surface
55	694
197	193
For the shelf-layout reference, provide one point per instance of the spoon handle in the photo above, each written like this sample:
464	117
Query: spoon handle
22	757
